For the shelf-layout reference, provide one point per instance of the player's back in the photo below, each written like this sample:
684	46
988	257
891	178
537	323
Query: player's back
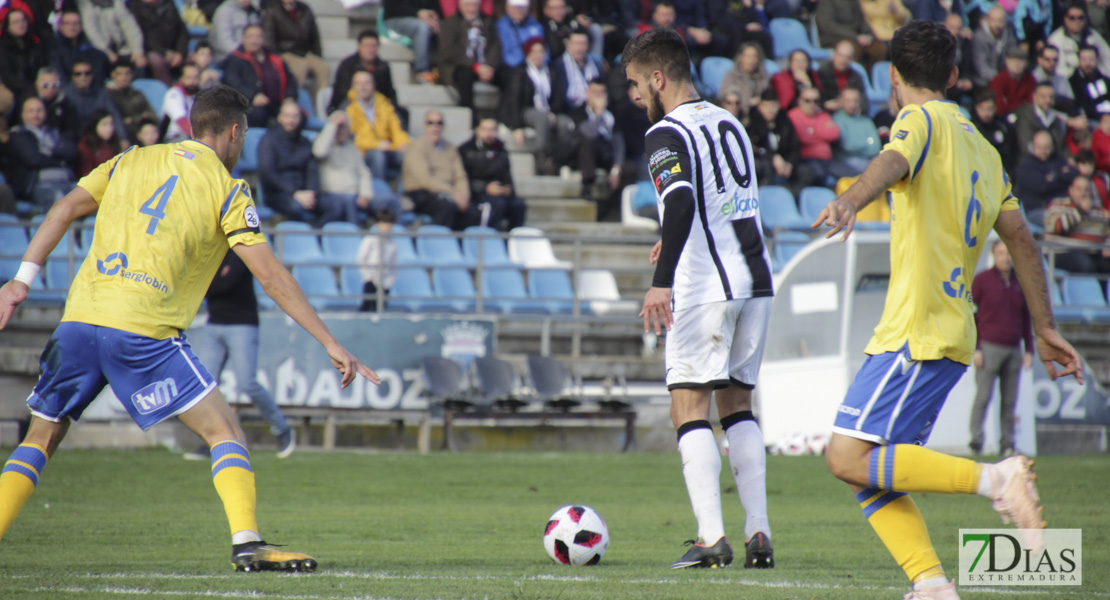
724	257
942	212
166	214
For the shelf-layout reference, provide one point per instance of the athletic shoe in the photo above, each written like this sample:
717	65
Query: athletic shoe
1015	498
202	453
940	592
705	557
286	443
260	556
760	554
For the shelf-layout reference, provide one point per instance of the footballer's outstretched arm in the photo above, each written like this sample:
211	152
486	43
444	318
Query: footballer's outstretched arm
1051	346
71	207
887	169
280	285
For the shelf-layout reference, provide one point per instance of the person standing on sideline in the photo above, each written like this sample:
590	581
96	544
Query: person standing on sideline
939	172
712	282
1002	320
166	216
230	339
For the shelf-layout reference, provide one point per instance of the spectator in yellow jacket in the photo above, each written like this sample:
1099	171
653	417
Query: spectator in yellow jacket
376	127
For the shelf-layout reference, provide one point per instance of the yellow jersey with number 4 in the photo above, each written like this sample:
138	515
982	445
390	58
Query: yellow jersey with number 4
168	214
941	214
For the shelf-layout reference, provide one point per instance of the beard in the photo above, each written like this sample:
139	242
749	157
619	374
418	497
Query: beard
897	108
191	89
655	107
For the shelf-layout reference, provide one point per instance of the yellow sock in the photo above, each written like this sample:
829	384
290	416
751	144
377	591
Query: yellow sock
911	468
894	516
18	481
234	480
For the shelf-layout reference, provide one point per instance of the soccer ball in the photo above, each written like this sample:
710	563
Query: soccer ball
576	535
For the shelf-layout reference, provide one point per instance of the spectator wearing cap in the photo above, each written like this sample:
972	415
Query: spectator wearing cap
990	45
515	28
1013	86
469	50
1089	85
1074	34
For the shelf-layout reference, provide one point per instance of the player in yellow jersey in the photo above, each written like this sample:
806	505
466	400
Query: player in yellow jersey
167	215
948	191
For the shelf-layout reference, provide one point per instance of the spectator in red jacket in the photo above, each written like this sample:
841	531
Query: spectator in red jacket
799	76
1100	144
817	132
1100	182
1014	85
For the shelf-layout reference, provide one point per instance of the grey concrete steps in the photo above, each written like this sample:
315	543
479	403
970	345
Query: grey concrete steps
559	209
548	186
425	95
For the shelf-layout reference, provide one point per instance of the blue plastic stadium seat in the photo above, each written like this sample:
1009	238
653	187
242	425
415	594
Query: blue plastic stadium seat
812	200
295	244
412	292
311	121
493	248
437	247
713	70
58	276
153	90
553	288
341	241
13	243
790	35
788	244
1086	294
318	283
503	290
62	250
350	285
880	80
771	66
248	161
406	254
455	286
778	210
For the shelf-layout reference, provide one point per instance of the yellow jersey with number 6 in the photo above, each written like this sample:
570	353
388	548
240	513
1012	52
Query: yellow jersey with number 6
942	212
168	214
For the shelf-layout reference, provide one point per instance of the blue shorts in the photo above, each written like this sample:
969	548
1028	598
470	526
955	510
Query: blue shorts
153	379
896	400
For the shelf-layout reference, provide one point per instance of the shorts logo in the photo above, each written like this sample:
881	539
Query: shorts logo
250	216
155	396
102	265
848	410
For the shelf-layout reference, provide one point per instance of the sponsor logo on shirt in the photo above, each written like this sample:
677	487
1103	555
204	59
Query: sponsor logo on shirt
661	156
116	265
901	135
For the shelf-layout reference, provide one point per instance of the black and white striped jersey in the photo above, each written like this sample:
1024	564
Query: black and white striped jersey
704	148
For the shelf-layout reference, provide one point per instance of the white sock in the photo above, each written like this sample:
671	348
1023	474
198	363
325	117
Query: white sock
985	481
247	535
928	583
701	466
748	458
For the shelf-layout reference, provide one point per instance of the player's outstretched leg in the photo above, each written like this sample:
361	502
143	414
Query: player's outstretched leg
748	458
234	480
701	468
21	473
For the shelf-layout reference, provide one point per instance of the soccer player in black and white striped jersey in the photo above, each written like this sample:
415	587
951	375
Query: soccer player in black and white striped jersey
711	290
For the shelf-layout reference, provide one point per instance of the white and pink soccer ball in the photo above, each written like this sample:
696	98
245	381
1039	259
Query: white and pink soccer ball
576	535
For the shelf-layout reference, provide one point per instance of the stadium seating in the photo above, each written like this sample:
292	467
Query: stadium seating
493	248
550	380
553	288
350	285
790	35
311	121
1086	294
713	70
13	243
529	247
406	254
812	200
63	248
454	286
880	80
295	244
599	293
153	90
248	160
633	197
503	290
318	283
496	383
340	242
412	292
777	209
444	382
436	246
771	66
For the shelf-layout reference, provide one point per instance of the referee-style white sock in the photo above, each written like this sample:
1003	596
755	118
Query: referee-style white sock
701	466
748	459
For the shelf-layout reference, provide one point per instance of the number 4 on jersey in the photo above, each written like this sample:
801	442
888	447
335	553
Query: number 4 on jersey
155	207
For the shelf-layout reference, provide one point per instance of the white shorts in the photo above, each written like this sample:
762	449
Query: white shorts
717	344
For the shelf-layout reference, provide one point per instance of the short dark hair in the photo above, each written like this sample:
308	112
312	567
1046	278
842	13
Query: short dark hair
368	34
83	60
1087	47
1048	47
201	45
983	95
216	109
385	216
924	53
123	61
661	50
1044	84
1085	156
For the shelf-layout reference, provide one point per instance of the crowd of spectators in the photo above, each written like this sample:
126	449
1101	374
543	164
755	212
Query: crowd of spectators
1034	79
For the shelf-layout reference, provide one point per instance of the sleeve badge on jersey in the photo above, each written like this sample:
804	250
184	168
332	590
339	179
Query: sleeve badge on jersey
901	135
250	216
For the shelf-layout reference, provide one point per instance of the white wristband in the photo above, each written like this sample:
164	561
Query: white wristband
27	273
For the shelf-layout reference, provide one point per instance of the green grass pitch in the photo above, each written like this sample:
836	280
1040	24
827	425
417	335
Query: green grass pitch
129	524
